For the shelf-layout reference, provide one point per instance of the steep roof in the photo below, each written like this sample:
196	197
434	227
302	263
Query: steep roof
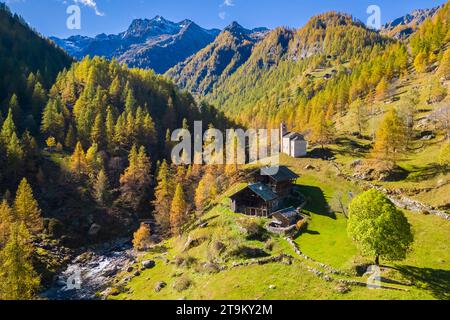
263	191
259	189
283	174
294	136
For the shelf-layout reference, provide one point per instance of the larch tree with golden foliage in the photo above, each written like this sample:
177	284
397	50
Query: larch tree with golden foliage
391	137
163	197
382	90
135	181
7	218
78	163
27	209
178	211
142	238
18	279
101	189
323	131
206	191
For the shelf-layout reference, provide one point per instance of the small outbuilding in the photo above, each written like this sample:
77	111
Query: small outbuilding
287	217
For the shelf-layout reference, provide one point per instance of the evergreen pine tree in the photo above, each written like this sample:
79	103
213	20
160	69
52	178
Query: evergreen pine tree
8	128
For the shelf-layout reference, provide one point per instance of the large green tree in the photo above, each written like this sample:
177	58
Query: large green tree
378	228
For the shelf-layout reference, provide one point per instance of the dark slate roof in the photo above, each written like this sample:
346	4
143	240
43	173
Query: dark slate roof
283	174
290	214
263	191
294	136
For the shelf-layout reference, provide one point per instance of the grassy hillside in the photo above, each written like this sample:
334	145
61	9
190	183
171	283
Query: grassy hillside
203	272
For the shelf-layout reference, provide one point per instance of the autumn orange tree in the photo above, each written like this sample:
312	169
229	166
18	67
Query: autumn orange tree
142	238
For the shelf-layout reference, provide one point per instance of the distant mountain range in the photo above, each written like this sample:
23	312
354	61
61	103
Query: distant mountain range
218	60
403	27
198	58
240	58
156	43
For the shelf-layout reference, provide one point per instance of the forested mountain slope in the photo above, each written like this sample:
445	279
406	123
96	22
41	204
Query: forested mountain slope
279	65
26	60
217	61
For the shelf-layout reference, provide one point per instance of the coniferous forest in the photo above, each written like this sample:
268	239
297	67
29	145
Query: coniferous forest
87	178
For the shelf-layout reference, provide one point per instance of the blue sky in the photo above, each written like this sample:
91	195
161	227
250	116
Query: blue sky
114	16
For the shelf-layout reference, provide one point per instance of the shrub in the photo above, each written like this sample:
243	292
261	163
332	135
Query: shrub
185	261
182	284
254	230
302	225
269	245
218	246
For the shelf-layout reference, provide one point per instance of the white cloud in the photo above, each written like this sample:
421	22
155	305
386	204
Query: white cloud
223	6
228	3
93	5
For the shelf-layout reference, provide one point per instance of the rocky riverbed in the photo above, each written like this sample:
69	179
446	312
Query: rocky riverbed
91	272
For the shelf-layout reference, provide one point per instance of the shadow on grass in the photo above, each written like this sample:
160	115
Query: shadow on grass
319	153
434	280
352	148
427	172
316	201
312	232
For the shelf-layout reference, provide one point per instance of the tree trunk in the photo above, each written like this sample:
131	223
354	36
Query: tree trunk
377	260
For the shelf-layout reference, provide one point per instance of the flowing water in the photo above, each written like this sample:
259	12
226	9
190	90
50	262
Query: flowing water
91	273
